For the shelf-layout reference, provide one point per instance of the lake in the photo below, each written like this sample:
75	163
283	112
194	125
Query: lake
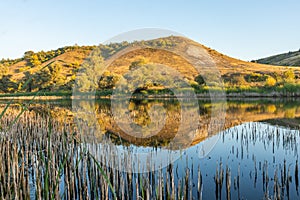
150	149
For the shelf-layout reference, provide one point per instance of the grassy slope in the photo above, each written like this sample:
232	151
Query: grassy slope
72	57
285	59
225	64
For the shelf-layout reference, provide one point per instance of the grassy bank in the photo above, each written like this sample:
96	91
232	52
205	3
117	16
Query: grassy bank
287	90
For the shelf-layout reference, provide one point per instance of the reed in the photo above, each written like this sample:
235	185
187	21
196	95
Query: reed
42	158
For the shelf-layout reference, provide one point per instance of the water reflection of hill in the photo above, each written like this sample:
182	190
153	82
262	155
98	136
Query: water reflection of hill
237	113
277	113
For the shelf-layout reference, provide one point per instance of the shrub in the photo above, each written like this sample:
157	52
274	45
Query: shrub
23	69
289	76
138	63
255	77
270	81
238	80
199	79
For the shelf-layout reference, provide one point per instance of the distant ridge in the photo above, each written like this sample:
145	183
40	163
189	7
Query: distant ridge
291	58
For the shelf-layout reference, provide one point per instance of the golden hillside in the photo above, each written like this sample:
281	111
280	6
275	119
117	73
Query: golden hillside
56	70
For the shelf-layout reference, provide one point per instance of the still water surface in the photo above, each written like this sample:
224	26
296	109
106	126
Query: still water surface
253	154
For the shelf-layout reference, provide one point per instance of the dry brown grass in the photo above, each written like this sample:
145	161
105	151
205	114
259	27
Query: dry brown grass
225	64
71	57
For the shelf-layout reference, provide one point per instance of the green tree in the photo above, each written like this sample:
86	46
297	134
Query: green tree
28	55
56	78
90	72
35	61
7	85
255	77
138	63
108	80
3	70
49	78
200	80
27	79
41	80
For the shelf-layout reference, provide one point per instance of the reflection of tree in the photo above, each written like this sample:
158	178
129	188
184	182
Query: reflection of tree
271	108
150	121
86	119
139	114
290	113
144	113
94	120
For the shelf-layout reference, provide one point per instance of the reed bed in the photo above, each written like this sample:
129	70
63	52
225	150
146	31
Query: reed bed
42	158
45	159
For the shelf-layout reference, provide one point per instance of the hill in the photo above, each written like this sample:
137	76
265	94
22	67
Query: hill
285	59
56	70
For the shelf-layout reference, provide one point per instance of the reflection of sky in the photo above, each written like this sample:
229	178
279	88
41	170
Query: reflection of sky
139	158
236	147
233	152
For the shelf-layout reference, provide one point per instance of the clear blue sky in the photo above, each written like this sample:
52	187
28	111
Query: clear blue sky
242	29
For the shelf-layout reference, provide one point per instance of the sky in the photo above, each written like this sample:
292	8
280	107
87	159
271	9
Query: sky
246	30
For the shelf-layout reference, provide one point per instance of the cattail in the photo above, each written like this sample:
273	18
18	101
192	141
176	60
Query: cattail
297	176
228	183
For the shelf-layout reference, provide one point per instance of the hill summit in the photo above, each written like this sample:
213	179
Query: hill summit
56	70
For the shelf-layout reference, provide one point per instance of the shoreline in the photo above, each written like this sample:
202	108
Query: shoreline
214	95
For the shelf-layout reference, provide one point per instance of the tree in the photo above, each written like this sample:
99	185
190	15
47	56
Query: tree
289	76
278	77
28	54
56	78
89	74
200	80
150	75
108	80
3	70
49	78
255	77
238	80
138	63
34	61
27	79
7	84
270	81
41	80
